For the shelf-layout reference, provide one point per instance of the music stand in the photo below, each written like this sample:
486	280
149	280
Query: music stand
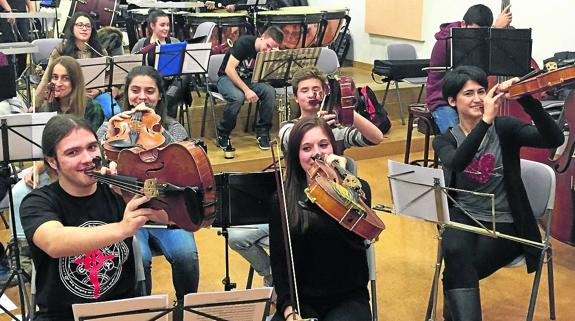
280	65
118	69
413	188
21	131
500	52
95	72
152	307
242	199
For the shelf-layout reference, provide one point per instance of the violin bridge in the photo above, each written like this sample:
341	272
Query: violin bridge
151	188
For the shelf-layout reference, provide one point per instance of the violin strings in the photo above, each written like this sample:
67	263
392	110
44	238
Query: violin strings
126	186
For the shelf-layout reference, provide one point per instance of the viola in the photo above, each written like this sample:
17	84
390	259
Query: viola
143	129
342	199
543	82
178	178
342	99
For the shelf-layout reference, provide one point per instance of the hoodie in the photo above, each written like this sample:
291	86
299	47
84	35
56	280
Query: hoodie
439	58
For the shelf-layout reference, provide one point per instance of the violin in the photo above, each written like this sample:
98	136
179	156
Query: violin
178	178
341	197
142	129
543	82
342	99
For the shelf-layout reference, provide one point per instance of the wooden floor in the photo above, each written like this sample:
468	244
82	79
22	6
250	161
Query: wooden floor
405	252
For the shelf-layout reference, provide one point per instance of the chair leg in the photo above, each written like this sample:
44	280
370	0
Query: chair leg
398	96
551	282
205	112
408	139
250	278
420	93
247	125
214	117
384	98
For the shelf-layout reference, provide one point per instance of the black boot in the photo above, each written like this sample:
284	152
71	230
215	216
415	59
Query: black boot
464	304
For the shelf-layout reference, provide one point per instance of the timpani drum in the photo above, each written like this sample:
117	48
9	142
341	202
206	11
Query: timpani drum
102	11
300	27
333	18
229	25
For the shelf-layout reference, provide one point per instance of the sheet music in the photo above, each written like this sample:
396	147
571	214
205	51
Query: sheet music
169	58
159	301
197	58
232	312
273	65
95	71
412	193
20	148
122	66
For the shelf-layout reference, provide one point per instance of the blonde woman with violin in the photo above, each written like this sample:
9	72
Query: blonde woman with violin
144	85
330	261
481	154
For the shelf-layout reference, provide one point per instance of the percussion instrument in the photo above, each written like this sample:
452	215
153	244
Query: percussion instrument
229	26
333	18
16	48
301	28
103	12
28	15
166	5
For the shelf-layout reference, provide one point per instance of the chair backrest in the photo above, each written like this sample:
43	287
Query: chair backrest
539	181
204	29
401	51
45	48
327	61
214	66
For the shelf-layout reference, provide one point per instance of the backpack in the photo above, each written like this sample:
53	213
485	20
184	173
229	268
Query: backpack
371	109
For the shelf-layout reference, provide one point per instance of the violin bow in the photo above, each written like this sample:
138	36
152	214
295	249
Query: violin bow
285	227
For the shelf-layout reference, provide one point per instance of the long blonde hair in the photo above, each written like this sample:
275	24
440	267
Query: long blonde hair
78	98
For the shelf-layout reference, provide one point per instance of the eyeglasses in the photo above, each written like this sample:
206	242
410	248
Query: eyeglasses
80	25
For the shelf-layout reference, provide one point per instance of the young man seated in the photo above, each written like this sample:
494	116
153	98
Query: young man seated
80	231
236	86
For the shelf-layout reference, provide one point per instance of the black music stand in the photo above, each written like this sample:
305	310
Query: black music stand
21	131
242	199
499	52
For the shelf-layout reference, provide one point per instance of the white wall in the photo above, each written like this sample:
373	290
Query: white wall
552	23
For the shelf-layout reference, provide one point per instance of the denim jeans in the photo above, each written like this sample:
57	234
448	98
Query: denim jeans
19	191
249	241
235	99
445	117
179	248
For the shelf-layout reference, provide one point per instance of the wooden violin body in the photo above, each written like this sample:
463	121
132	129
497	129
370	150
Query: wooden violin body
179	179
552	79
342	99
143	129
342	203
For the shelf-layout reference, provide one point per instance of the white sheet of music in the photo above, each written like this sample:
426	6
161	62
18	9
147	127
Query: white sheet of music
20	148
122	66
95	71
413	194
159	301
196	58
214	304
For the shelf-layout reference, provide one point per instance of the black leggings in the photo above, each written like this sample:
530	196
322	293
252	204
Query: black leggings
470	257
357	309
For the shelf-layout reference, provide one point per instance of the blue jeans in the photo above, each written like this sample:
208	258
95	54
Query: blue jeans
445	117
179	248
249	241
235	99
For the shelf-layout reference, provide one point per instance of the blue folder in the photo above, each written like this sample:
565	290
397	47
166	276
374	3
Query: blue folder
170	58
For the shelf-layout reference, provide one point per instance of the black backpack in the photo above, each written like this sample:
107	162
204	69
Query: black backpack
371	109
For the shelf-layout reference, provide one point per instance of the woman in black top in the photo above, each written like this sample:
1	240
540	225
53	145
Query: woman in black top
330	261
481	154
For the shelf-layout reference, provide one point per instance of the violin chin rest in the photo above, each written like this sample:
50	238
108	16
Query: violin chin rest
121	144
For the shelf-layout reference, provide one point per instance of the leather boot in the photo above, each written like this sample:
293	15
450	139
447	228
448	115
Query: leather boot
464	304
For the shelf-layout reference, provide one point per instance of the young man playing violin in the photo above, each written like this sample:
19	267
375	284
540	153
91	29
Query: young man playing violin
79	231
309	86
309	89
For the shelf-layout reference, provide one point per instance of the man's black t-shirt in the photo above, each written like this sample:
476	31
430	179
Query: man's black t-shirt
244	50
100	275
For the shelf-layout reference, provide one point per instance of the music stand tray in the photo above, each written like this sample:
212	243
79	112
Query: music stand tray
280	65
246	305
24	131
132	309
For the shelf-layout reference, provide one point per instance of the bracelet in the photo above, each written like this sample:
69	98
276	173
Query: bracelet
289	315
